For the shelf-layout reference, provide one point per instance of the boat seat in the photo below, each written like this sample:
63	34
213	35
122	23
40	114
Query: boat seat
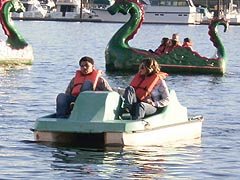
96	106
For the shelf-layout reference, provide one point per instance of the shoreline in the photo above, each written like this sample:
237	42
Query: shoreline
100	21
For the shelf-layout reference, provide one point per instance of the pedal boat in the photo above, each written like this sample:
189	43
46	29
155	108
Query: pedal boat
96	121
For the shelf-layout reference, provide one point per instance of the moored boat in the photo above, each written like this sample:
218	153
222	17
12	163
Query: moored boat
120	56
96	121
158	12
15	50
70	9
33	9
232	13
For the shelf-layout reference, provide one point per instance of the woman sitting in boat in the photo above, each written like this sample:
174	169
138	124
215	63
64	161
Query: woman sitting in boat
86	79
163	48
148	92
173	44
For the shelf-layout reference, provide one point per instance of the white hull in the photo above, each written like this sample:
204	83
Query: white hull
232	14
33	10
69	9
172	134
156	14
233	17
165	135
68	15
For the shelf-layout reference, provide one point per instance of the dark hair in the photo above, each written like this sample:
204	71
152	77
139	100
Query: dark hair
86	58
187	40
165	40
174	42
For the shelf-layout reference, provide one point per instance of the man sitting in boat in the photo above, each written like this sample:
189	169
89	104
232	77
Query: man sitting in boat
187	43
175	37
148	92
86	79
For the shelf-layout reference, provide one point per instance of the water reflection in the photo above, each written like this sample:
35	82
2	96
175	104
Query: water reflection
128	162
26	94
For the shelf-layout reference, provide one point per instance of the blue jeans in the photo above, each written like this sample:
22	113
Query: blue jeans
137	109
64	100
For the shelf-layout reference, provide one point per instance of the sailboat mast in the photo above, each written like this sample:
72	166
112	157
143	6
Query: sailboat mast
219	8
81	6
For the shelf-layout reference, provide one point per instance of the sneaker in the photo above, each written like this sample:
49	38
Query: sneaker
123	111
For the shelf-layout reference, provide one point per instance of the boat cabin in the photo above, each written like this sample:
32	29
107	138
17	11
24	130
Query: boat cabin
72	9
33	9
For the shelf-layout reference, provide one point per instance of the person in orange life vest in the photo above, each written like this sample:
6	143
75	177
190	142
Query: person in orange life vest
148	92
187	43
86	79
162	49
172	45
175	37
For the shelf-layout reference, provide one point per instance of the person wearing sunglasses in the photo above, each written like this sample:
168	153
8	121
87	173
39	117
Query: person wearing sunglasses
147	93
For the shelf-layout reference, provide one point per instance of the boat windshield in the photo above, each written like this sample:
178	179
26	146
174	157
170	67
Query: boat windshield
170	2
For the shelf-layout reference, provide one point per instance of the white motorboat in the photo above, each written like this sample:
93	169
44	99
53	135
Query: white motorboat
33	10
70	9
232	14
158	11
48	5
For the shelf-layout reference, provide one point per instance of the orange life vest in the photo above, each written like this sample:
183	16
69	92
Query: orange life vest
144	85
160	49
80	78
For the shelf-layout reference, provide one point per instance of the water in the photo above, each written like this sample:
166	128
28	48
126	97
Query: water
30	92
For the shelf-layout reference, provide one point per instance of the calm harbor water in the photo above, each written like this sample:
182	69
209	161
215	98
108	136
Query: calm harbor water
30	92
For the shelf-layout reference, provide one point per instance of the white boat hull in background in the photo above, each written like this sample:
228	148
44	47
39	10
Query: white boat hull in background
168	14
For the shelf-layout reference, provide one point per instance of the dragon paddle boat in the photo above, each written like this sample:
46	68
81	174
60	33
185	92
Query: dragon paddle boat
120	56
15	50
96	120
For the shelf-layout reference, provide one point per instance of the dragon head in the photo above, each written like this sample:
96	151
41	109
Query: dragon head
122	6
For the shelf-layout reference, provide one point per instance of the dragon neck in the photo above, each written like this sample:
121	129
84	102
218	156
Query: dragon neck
214	37
129	29
15	39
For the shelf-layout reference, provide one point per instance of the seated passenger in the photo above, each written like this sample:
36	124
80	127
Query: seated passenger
86	79
148	92
175	37
173	45
187	43
162	49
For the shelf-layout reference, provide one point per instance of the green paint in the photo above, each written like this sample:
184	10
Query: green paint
120	56
97	112
15	40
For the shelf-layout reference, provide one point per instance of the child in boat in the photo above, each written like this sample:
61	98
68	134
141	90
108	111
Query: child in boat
86	79
148	92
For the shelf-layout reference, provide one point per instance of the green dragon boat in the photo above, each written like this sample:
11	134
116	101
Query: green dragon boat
96	121
15	50
120	56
